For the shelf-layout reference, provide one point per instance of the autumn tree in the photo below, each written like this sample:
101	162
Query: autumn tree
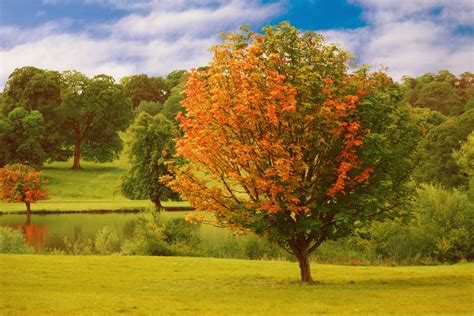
21	183
151	149
21	133
94	111
285	142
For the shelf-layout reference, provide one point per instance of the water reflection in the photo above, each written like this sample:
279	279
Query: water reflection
36	235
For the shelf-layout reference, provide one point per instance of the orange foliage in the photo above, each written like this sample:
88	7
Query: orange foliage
243	134
20	183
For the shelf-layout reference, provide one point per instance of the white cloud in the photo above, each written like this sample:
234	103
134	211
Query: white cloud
412	37
158	36
170	35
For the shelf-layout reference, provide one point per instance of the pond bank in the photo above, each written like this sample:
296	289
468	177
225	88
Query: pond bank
98	211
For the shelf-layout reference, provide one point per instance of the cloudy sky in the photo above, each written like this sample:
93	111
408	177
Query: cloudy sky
123	37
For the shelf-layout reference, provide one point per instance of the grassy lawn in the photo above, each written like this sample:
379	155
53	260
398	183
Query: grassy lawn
95	187
36	285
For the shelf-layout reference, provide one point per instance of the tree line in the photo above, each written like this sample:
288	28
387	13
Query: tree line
52	116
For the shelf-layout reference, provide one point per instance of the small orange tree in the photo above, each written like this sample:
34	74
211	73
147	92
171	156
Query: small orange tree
21	183
286	143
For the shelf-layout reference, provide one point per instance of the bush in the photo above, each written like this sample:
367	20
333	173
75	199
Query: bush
13	241
439	228
107	241
178	230
148	238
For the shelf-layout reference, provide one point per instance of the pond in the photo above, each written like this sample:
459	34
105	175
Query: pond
44	232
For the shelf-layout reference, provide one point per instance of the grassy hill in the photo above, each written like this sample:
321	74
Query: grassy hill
38	285
95	187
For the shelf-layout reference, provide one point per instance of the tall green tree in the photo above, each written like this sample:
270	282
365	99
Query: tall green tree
21	133
36	89
285	142
151	149
94	111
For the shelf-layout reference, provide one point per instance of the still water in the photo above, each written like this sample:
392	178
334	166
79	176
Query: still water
47	231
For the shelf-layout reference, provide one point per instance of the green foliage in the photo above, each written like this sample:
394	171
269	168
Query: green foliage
94	111
178	230
464	158
143	88
437	164
439	227
150	107
21	133
441	97
151	149
176	78
107	241
38	90
173	106
13	241
442	92
153	238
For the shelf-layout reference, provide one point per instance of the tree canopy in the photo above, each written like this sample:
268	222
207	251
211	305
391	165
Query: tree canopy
38	90
21	183
151	149
437	162
285	142
21	134
94	111
441	92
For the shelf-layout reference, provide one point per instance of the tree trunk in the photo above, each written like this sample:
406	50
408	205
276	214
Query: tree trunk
158	204
305	268
77	152
28	209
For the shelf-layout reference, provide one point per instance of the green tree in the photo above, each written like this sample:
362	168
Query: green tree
151	149
173	105
38	90
143	88
175	78
437	164
94	111
150	107
21	133
441	97
284	142
464	158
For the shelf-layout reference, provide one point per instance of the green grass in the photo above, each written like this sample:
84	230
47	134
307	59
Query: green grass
95	187
38	285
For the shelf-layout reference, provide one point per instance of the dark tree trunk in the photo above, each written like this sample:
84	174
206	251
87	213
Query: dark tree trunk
305	268
28	210
158	205
77	152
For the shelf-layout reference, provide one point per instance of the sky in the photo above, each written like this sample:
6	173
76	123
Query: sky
124	37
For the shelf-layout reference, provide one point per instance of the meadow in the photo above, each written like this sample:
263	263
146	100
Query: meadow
93	285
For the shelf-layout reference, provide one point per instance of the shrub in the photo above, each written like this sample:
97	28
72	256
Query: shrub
13	241
178	230
107	241
148	237
438	228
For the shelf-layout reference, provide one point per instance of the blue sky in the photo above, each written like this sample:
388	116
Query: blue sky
122	37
